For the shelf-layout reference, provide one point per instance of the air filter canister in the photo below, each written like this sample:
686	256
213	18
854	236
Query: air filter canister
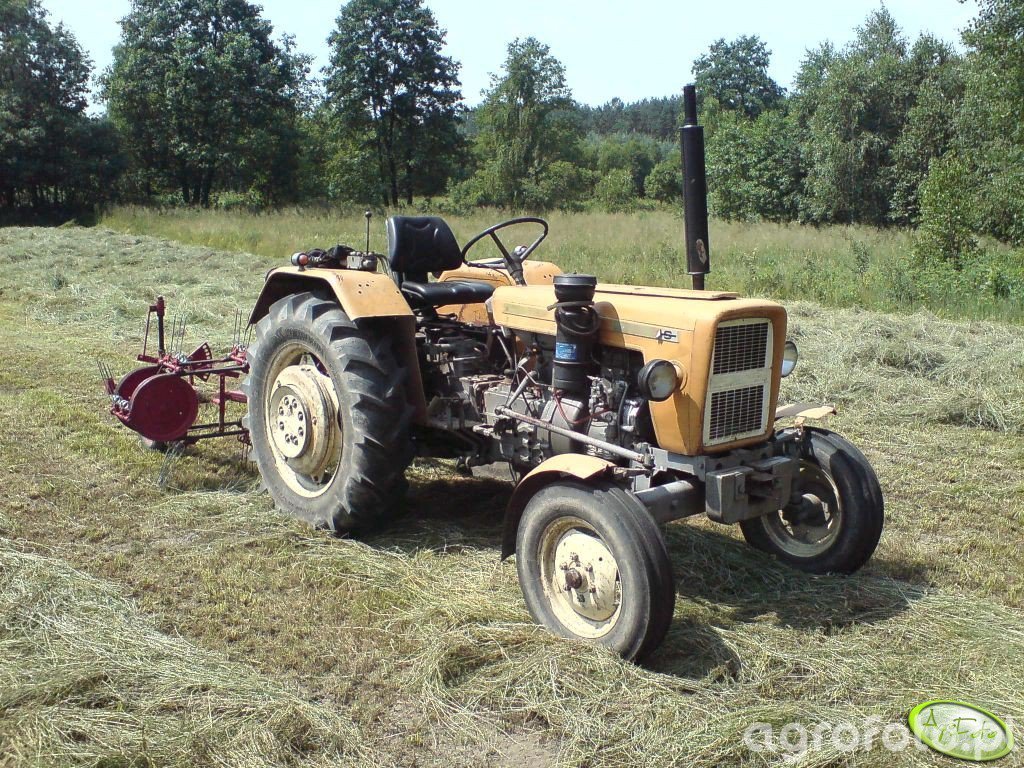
577	324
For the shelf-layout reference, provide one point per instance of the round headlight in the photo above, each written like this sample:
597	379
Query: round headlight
790	355
657	380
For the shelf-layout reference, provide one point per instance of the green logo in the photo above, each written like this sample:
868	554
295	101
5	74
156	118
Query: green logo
961	730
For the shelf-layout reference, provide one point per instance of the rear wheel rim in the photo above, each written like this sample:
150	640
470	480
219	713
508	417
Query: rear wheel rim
302	421
580	577
800	535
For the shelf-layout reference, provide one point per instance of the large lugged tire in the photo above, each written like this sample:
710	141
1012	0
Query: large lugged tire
837	527
328	415
593	566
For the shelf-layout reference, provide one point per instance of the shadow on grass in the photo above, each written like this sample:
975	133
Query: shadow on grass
214	465
448	514
716	568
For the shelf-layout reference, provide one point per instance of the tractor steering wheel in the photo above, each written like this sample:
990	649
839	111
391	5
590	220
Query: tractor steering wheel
514	260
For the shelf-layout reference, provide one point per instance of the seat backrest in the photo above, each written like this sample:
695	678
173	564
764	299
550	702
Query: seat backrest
421	244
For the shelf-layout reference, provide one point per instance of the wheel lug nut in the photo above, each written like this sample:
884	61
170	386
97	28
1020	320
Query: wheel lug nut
573	580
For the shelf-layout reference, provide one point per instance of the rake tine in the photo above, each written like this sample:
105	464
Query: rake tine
177	333
181	336
106	377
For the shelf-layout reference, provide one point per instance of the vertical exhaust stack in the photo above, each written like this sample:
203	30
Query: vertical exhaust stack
695	191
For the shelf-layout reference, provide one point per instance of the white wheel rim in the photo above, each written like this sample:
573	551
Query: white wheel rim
302	421
580	578
805	540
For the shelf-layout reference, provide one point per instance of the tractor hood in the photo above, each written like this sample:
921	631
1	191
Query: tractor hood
681	326
639	312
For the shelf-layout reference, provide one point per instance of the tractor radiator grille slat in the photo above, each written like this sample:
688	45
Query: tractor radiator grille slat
739	386
740	348
736	411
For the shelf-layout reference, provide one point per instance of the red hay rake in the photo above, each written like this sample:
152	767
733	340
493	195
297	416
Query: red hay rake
161	400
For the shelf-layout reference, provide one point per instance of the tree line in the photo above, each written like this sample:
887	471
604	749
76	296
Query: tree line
205	107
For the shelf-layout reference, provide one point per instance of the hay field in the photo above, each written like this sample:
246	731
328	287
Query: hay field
840	266
157	611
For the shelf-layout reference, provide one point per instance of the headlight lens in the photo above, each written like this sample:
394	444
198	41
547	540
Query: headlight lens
790	356
658	380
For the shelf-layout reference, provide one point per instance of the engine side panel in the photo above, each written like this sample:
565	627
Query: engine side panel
679	327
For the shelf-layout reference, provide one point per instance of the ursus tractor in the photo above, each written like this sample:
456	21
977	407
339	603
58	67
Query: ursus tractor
618	408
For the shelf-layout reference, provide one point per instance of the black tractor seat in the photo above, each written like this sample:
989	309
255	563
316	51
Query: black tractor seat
421	244
423	295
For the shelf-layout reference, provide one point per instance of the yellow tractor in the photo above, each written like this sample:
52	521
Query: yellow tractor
618	408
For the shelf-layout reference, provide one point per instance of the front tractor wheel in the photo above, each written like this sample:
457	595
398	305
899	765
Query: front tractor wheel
328	416
837	522
593	566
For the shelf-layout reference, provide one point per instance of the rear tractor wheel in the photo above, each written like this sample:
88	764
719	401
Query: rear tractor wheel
593	566
328	415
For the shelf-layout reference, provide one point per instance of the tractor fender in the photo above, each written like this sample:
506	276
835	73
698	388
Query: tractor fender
362	296
572	465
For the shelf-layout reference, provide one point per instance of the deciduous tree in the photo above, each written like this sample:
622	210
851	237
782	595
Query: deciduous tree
526	122
52	156
734	76
389	84
205	98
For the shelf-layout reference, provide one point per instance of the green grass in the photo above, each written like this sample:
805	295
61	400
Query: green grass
852	266
157	611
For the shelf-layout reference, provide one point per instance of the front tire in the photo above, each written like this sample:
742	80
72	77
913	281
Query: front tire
593	566
837	525
328	415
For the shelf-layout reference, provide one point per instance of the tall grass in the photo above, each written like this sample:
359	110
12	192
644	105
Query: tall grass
842	266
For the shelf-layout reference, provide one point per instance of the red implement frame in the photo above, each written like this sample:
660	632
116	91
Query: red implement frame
161	400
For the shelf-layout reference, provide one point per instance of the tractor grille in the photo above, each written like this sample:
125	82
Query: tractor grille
738	388
740	347
736	411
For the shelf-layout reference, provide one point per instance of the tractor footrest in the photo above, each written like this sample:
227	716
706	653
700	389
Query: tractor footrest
231	396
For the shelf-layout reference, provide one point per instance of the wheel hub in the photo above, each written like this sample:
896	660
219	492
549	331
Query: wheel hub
809	511
588	575
290	435
302	418
809	526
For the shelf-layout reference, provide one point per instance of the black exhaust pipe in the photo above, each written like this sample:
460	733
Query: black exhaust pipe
695	191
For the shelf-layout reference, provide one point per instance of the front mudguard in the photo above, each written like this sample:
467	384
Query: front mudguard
579	466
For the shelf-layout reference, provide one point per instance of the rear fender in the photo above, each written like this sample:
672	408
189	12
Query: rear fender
360	294
564	465
367	296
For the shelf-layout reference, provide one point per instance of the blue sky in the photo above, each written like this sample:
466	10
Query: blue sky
625	48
